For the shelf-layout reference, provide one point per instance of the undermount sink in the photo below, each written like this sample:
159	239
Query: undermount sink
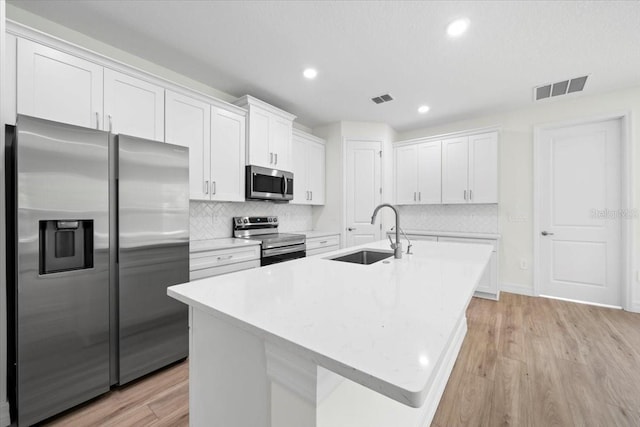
364	257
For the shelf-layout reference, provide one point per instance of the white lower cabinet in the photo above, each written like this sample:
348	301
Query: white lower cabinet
488	284
320	245
220	261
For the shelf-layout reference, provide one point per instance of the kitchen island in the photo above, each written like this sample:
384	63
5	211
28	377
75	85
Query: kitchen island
307	342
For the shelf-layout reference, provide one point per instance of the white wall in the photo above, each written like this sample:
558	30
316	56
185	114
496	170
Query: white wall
516	168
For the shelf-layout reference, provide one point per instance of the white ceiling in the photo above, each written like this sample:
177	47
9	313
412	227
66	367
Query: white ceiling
365	49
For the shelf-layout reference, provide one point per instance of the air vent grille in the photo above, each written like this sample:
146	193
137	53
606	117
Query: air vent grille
559	88
382	98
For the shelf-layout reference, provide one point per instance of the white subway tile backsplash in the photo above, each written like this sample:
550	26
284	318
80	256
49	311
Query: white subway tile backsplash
462	218
212	220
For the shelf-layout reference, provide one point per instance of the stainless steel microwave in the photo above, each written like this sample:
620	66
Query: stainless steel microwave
268	184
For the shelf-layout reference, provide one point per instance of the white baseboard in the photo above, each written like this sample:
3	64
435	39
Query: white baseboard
517	288
635	307
5	420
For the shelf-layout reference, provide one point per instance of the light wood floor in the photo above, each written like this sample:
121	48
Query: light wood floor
524	362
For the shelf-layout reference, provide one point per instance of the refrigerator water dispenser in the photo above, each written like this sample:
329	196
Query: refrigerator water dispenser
66	245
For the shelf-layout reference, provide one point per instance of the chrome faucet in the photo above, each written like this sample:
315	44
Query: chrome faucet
397	246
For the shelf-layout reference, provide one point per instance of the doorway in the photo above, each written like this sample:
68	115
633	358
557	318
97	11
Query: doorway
581	213
363	190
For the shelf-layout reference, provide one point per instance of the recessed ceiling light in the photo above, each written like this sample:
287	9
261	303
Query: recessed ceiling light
423	109
310	73
458	27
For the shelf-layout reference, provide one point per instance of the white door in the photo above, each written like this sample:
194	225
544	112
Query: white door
483	168
315	172
132	106
57	86
580	187
455	164
406	165
429	173
188	124
227	155
363	191
10	80
299	169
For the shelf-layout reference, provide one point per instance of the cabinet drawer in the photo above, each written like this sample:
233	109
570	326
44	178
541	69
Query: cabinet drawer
322	242
229	268
322	250
493	243
217	258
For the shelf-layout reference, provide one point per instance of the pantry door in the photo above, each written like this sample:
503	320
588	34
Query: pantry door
580	213
363	191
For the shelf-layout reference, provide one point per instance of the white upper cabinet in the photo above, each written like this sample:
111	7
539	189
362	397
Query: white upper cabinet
133	106
188	123
418	173
406	165
470	169
228	130
316	164
455	170
270	132
308	162
56	86
216	141
9	92
483	168
429	173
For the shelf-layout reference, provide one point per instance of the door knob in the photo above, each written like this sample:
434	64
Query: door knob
351	229
546	233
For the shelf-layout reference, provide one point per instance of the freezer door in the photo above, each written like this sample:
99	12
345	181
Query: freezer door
153	253
62	267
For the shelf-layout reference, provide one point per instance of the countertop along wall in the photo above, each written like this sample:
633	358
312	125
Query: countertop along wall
516	170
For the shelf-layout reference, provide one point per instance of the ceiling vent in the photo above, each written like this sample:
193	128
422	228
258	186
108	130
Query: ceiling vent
382	98
560	88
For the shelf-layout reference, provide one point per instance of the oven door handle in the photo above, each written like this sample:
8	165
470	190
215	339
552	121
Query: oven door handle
284	250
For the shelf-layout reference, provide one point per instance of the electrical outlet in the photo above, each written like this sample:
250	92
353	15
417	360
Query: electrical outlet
524	265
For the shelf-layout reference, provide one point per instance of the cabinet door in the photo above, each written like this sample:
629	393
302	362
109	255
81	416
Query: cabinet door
315	172
227	155
132	106
56	86
429	173
300	171
280	142
188	124
259	152
455	163
483	168
406	175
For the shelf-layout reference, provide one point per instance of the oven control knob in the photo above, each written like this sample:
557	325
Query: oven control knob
275	219
270	219
245	220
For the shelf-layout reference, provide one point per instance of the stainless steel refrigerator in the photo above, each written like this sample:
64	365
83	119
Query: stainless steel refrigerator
97	227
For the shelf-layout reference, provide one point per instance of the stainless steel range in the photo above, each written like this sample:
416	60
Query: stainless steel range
276	247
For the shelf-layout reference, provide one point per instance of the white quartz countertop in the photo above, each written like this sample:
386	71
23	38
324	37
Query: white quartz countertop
465	234
316	233
215	244
385	325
